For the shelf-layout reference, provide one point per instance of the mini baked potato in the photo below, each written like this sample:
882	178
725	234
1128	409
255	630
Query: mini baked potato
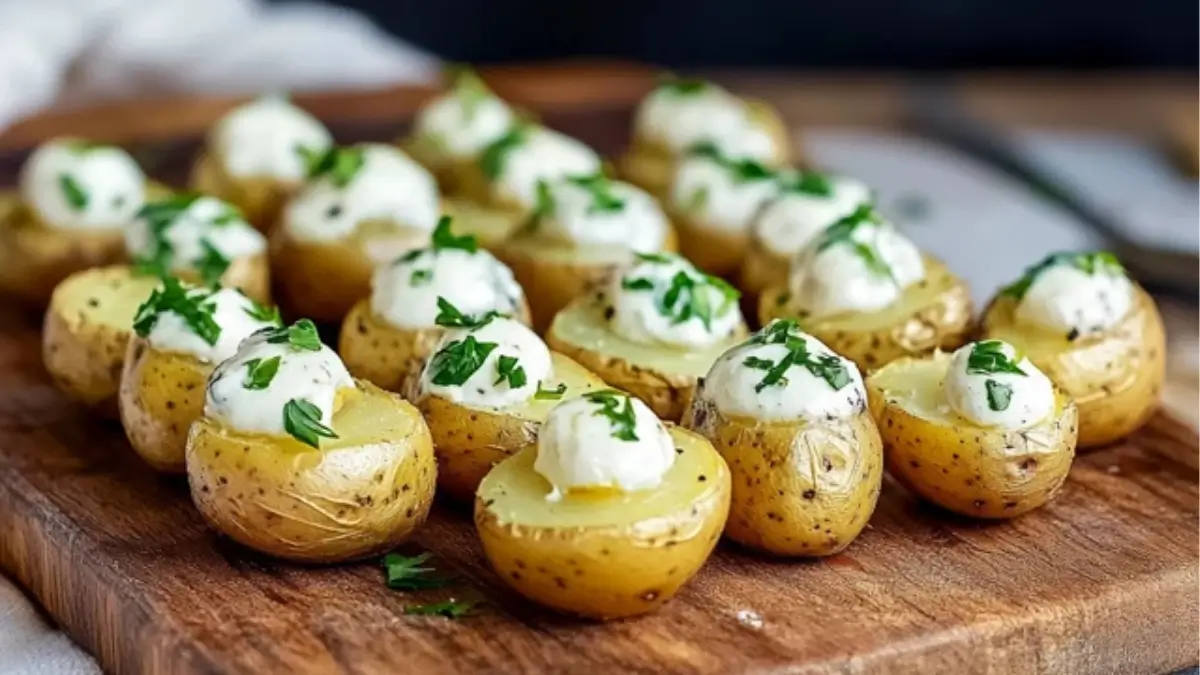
603	554
87	329
978	471
1114	375
805	457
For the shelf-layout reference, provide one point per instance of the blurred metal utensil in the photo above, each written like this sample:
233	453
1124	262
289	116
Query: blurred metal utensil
933	110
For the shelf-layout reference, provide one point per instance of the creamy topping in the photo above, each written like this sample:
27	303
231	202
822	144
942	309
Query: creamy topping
686	113
781	374
268	138
664	299
720	193
191	232
491	362
858	264
1073	293
525	156
594	211
465	120
406	292
365	183
75	185
281	381
604	439
208	325
990	385
808	203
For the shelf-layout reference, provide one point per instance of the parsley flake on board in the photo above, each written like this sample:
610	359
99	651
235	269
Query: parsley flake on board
260	372
999	395
550	394
450	317
212	264
77	197
841	233
301	335
194	306
450	609
408	573
491	161
302	420
340	165
620	415
1099	262
600	188
508	369
988	358
444	239
458	361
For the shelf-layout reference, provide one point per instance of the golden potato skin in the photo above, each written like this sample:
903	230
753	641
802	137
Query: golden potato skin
624	555
359	495
934	313
87	329
249	274
1114	377
470	441
34	258
162	394
260	199
761	269
799	488
974	471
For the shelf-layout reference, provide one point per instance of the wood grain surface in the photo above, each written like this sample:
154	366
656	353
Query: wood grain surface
1103	580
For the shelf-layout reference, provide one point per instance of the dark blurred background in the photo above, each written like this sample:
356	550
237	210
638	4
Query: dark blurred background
876	34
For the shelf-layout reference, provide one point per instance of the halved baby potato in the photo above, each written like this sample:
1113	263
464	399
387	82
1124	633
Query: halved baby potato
604	554
87	329
982	472
259	198
469	441
1114	376
161	394
356	496
934	313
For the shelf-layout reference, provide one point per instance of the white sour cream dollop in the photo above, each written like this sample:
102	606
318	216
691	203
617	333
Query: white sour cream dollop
73	185
594	211
540	154
489	386
463	121
854	266
263	139
807	205
232	312
721	194
1006	400
312	376
388	187
681	115
639	293
580	446
405	292
188	224
819	384
1065	298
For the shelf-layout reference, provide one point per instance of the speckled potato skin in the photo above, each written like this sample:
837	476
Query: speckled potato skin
357	497
86	331
944	323
162	394
975	471
606	572
714	251
321	281
761	269
552	283
1115	377
260	199
799	488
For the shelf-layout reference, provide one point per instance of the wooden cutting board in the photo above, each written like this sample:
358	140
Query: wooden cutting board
1103	580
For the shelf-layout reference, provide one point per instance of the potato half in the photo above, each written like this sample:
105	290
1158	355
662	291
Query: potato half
554	273
35	258
800	488
470	441
161	395
605	554
664	378
260	199
761	269
934	313
358	495
1114	377
87	329
976	471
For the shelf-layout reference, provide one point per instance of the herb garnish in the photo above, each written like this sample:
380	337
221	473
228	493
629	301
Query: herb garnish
212	264
600	188
683	87
828	367
160	216
444	239
450	609
340	165
420	278
842	232
194	306
76	196
1099	262
687	295
810	183
406	573
508	368
550	394
450	317
999	395
264	314
743	170
620	416
259	372
491	162
470	90
458	361
301	335
302	420
988	358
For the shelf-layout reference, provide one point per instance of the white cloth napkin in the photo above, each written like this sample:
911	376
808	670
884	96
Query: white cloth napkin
29	646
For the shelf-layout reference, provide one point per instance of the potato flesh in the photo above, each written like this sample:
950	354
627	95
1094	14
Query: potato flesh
162	394
604	555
